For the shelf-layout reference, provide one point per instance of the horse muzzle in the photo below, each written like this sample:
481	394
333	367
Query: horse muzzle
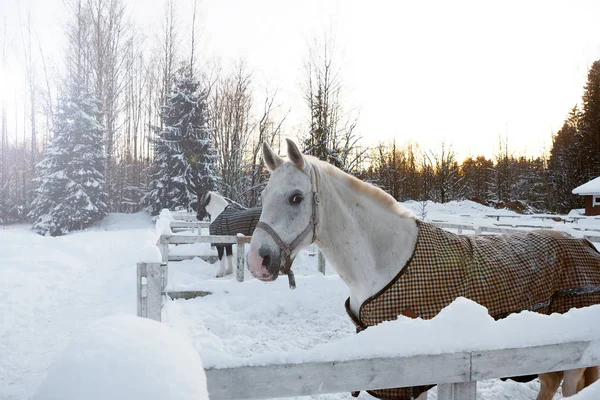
264	263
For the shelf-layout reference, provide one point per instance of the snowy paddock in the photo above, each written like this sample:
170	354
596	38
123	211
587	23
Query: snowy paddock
53	288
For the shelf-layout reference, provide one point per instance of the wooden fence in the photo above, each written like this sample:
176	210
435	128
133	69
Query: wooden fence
185	221
241	241
456	374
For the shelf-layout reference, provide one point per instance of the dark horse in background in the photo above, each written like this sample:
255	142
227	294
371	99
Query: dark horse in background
227	218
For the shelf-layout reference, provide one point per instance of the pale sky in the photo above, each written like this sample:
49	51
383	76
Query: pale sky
463	72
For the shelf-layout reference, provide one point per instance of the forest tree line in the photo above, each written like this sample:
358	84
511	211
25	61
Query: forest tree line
526	184
129	129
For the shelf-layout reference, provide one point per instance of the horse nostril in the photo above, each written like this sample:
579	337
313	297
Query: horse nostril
266	261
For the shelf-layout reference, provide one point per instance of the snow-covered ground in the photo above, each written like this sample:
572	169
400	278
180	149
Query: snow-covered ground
52	289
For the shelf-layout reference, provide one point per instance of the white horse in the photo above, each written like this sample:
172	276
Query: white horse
364	233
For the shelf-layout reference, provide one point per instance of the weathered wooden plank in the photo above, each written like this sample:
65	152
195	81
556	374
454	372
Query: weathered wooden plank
189	224
164	250
241	264
218	239
150	284
446	225
492	229
585	229
335	377
183	216
142	289
164	276
209	259
187	294
321	263
592	238
457	391
478	230
533	360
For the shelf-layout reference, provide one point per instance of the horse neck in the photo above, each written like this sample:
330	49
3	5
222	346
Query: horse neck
366	243
216	206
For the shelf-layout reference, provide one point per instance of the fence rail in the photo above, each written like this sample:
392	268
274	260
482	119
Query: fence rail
482	230
183	216
181	224
455	373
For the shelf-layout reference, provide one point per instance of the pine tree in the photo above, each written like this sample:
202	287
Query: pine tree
185	158
477	174
564	164
588	141
9	212
71	192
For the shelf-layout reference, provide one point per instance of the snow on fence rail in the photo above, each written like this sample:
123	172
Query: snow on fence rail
482	230
455	373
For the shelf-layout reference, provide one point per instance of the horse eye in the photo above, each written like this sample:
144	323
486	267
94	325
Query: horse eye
296	199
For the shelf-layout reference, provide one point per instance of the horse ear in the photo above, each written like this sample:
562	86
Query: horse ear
294	154
272	160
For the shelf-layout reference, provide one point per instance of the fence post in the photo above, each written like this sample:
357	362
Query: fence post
239	272
164	276
321	262
164	250
150	280
457	391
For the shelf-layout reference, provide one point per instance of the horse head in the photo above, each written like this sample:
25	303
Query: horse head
211	204
203	201
290	214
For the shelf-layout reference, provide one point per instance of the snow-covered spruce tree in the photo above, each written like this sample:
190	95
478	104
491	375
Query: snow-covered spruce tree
9	212
185	158
71	193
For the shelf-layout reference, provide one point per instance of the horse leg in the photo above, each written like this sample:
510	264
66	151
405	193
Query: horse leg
590	375
229	250
549	383
573	380
222	266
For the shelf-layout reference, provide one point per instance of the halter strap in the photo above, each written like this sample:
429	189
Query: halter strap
288	249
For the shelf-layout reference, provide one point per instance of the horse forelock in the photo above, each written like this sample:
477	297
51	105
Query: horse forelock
378	195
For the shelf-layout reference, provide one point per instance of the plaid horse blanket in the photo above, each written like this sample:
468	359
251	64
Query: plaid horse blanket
234	220
543	271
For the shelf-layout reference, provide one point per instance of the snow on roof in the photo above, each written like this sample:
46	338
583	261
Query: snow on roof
592	187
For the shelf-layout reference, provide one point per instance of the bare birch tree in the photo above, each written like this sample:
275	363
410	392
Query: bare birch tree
169	47
231	126
3	124
332	133
268	130
110	36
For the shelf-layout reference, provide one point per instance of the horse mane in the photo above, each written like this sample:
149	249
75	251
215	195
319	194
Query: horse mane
377	194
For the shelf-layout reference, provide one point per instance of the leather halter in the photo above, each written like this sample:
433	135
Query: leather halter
288	249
